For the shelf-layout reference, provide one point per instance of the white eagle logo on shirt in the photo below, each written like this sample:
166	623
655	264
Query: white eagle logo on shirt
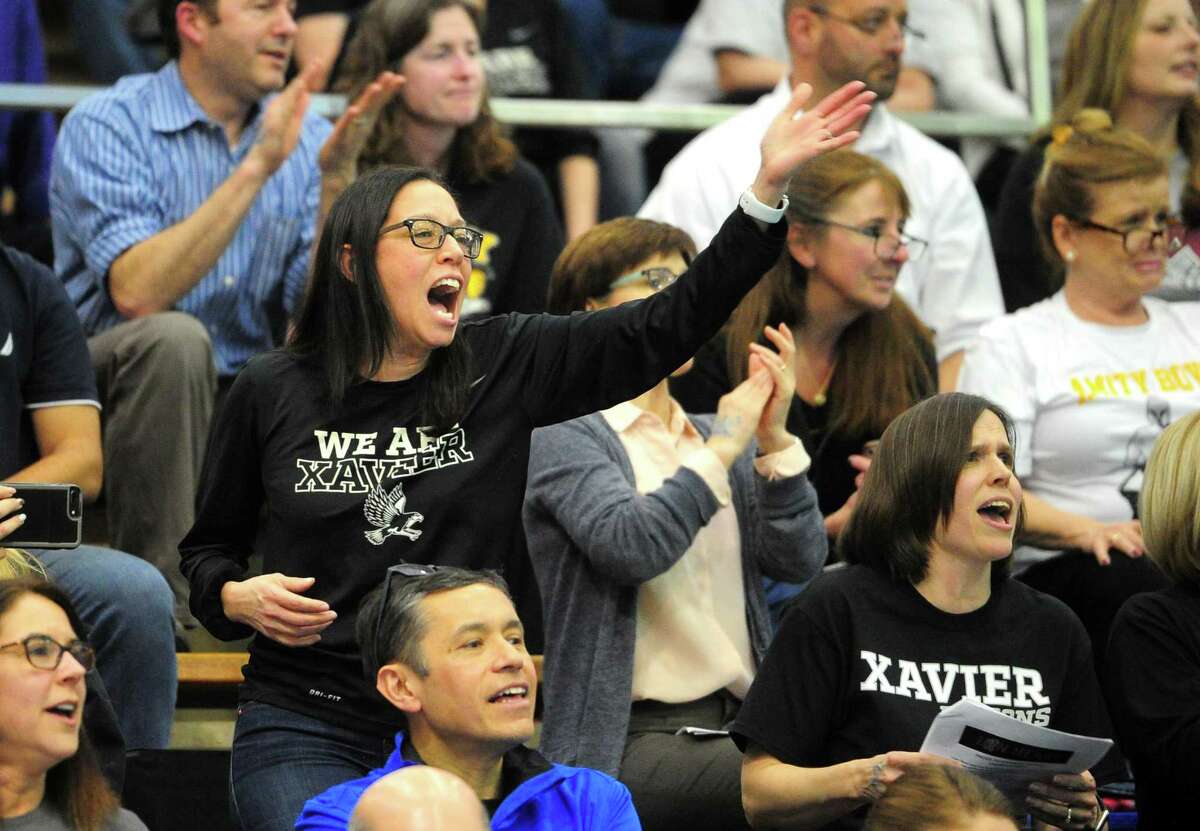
386	512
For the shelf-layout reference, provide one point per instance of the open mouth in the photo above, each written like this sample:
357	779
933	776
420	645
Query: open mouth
66	710
517	694
998	513
443	297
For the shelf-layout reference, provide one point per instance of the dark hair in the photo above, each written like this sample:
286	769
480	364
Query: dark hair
387	31
936	796
882	357
909	490
166	21
398	636
587	266
75	787
346	323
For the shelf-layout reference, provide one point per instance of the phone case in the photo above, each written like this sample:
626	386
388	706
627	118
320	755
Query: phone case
53	516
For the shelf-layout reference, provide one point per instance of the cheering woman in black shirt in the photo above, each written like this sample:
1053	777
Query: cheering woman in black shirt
388	432
924	617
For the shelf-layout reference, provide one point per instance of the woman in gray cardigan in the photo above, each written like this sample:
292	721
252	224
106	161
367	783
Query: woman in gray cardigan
650	531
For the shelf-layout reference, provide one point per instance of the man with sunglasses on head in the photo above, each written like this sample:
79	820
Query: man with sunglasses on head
954	289
445	647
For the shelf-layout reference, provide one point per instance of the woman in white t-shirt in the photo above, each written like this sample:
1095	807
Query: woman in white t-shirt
1094	373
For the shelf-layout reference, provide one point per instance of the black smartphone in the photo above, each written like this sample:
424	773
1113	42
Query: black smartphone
53	516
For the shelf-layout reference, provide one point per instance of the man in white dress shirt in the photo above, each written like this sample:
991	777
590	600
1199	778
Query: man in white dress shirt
954	287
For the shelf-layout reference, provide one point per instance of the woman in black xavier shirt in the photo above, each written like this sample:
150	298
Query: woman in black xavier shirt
924	616
384	434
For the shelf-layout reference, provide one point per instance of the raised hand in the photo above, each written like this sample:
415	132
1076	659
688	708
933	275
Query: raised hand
738	414
281	124
273	605
772	433
339	155
794	137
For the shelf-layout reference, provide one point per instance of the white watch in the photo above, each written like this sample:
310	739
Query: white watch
755	209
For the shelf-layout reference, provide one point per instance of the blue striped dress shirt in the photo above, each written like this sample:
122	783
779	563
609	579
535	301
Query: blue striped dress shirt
142	156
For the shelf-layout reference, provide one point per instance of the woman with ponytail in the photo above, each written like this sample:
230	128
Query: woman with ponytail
1137	61
1093	374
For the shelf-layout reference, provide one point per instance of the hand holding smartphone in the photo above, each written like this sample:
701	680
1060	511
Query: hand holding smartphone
53	515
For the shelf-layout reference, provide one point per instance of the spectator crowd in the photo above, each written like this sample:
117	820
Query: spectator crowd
768	443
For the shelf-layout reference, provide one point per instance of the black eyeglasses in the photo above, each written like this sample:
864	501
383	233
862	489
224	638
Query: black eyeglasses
885	245
658	277
872	24
429	233
1172	232
43	652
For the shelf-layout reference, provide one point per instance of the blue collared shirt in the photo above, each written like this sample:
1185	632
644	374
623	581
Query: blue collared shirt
142	156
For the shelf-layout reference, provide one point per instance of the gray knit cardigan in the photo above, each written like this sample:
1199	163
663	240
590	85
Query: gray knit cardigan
594	539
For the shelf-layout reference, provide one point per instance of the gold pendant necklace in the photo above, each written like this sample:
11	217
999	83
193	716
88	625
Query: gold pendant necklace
819	398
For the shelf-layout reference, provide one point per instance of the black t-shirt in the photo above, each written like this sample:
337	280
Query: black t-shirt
1154	686
863	664
831	474
352	489
43	354
522	238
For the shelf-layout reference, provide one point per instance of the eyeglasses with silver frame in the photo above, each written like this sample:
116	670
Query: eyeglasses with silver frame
659	277
885	245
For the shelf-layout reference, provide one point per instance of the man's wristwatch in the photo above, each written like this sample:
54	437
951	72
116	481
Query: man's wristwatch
755	209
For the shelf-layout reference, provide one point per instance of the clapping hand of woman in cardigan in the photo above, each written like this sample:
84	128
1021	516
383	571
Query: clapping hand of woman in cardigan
758	406
772	434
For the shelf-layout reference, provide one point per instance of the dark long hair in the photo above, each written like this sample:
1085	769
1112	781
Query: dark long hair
909	490
75	787
387	31
881	367
345	323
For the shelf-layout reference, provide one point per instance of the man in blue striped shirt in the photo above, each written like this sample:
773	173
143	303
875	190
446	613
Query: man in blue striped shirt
184	205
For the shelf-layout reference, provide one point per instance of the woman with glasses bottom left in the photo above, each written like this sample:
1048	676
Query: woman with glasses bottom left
389	430
49	777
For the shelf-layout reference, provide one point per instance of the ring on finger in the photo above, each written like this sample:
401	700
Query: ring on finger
1068	815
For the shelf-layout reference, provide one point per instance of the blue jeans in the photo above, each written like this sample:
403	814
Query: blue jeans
282	759
128	609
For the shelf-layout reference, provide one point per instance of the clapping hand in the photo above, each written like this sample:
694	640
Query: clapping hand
738	414
339	155
772	433
281	124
